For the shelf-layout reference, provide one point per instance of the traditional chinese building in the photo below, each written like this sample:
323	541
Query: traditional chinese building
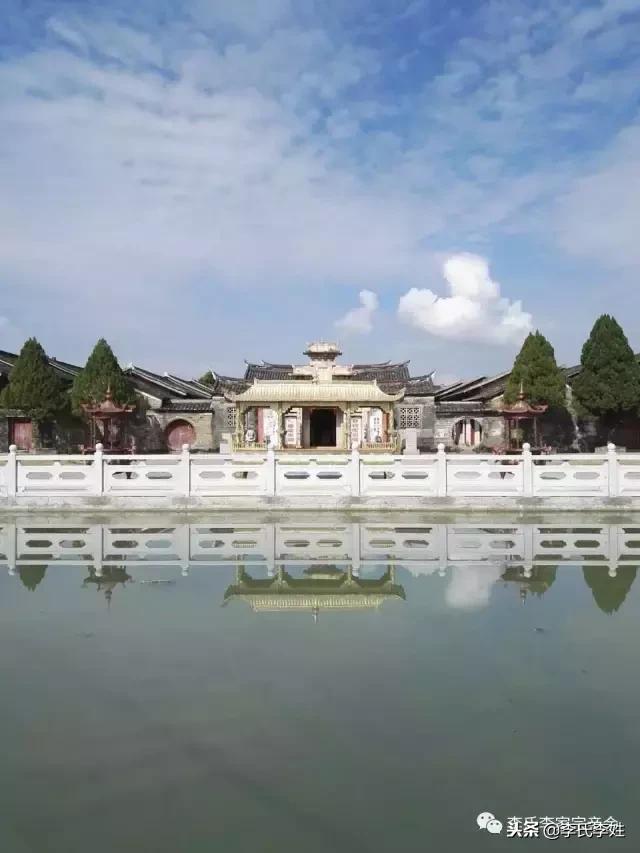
320	404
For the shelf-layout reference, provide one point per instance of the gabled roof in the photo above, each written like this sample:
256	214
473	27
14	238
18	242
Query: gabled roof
481	388
163	386
390	377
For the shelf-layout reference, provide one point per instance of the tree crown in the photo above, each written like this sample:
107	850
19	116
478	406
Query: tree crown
34	387
536	371
609	382
100	374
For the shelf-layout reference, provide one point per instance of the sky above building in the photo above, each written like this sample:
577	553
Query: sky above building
202	181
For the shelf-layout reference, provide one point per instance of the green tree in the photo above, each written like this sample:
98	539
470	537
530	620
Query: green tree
536	371
608	386
34	387
207	378
609	593
100	374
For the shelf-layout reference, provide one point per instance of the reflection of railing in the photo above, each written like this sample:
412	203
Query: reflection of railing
252	470
422	546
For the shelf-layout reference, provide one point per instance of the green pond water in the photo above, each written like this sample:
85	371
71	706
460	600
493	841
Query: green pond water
255	686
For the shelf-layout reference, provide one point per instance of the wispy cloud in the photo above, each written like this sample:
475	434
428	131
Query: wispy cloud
153	149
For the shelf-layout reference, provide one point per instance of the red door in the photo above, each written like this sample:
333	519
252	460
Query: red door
21	433
179	433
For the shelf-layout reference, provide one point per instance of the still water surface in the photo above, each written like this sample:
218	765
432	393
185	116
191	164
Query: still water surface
315	685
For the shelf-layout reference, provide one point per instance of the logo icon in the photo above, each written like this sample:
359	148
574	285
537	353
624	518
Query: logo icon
490	822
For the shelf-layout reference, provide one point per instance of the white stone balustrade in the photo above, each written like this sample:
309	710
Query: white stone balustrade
339	475
422	547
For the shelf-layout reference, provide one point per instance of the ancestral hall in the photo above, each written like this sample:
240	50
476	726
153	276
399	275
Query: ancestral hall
320	405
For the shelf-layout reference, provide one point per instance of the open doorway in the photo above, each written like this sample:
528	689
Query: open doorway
322	428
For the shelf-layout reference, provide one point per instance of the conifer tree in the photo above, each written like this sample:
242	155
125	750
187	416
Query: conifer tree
608	385
34	387
100	374
536	371
207	378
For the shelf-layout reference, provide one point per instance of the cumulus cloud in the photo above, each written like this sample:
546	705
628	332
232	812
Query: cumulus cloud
470	586
360	319
474	311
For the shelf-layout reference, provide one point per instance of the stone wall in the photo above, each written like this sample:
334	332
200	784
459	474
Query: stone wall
151	436
448	414
424	423
4	434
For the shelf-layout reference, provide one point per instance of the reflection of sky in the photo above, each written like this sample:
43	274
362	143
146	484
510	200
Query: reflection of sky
470	586
190	726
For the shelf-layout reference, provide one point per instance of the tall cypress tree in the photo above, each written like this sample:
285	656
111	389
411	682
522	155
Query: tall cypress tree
608	385
100	374
34	387
536	371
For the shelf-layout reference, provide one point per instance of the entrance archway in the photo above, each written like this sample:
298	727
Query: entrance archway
467	432
322	428
178	433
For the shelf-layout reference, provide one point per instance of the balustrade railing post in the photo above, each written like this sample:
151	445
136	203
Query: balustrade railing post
527	470
441	466
12	471
612	458
186	470
355	470
98	465
271	470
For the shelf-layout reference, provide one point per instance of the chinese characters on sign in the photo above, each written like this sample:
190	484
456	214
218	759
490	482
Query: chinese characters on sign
553	827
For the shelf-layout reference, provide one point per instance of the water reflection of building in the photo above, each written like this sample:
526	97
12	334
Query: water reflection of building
107	579
473	556
535	580
322	588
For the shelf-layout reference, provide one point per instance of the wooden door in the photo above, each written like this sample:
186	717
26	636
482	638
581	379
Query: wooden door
21	433
179	433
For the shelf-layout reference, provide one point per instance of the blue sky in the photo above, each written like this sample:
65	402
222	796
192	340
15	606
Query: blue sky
205	181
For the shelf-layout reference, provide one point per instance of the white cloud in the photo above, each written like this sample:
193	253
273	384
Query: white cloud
470	586
360	319
475	311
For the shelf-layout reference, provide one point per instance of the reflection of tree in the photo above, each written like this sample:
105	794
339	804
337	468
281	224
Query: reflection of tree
609	593
31	576
541	578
